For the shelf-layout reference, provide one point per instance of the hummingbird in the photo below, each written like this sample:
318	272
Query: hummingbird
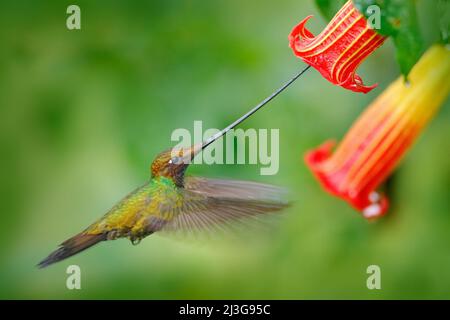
171	201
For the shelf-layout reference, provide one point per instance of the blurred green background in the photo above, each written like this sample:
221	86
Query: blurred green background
83	113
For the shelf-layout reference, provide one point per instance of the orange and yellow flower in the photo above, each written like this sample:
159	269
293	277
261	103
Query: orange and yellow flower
341	47
381	136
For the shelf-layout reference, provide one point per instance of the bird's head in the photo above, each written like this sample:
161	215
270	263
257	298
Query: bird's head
173	163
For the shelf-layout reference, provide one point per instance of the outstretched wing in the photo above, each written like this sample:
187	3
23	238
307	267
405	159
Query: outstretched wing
220	205
235	189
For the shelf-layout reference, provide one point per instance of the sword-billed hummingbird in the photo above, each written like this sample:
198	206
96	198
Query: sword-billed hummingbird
171	201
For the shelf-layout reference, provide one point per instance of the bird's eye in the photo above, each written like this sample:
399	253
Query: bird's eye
174	160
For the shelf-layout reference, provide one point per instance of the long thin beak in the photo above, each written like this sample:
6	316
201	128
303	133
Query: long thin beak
221	133
195	149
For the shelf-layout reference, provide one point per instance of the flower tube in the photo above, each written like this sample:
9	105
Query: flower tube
339	49
381	136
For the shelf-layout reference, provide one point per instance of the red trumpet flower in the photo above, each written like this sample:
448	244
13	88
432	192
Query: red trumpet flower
338	51
382	135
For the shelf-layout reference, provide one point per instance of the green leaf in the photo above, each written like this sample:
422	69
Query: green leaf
398	19
329	8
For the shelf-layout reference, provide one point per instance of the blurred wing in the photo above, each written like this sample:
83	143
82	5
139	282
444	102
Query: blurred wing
219	205
235	189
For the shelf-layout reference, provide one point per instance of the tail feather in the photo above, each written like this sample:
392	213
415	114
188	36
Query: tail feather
71	247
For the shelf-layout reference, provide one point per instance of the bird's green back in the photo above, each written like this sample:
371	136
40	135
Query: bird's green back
155	198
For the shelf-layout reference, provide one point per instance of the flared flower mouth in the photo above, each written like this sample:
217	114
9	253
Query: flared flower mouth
381	136
339	49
